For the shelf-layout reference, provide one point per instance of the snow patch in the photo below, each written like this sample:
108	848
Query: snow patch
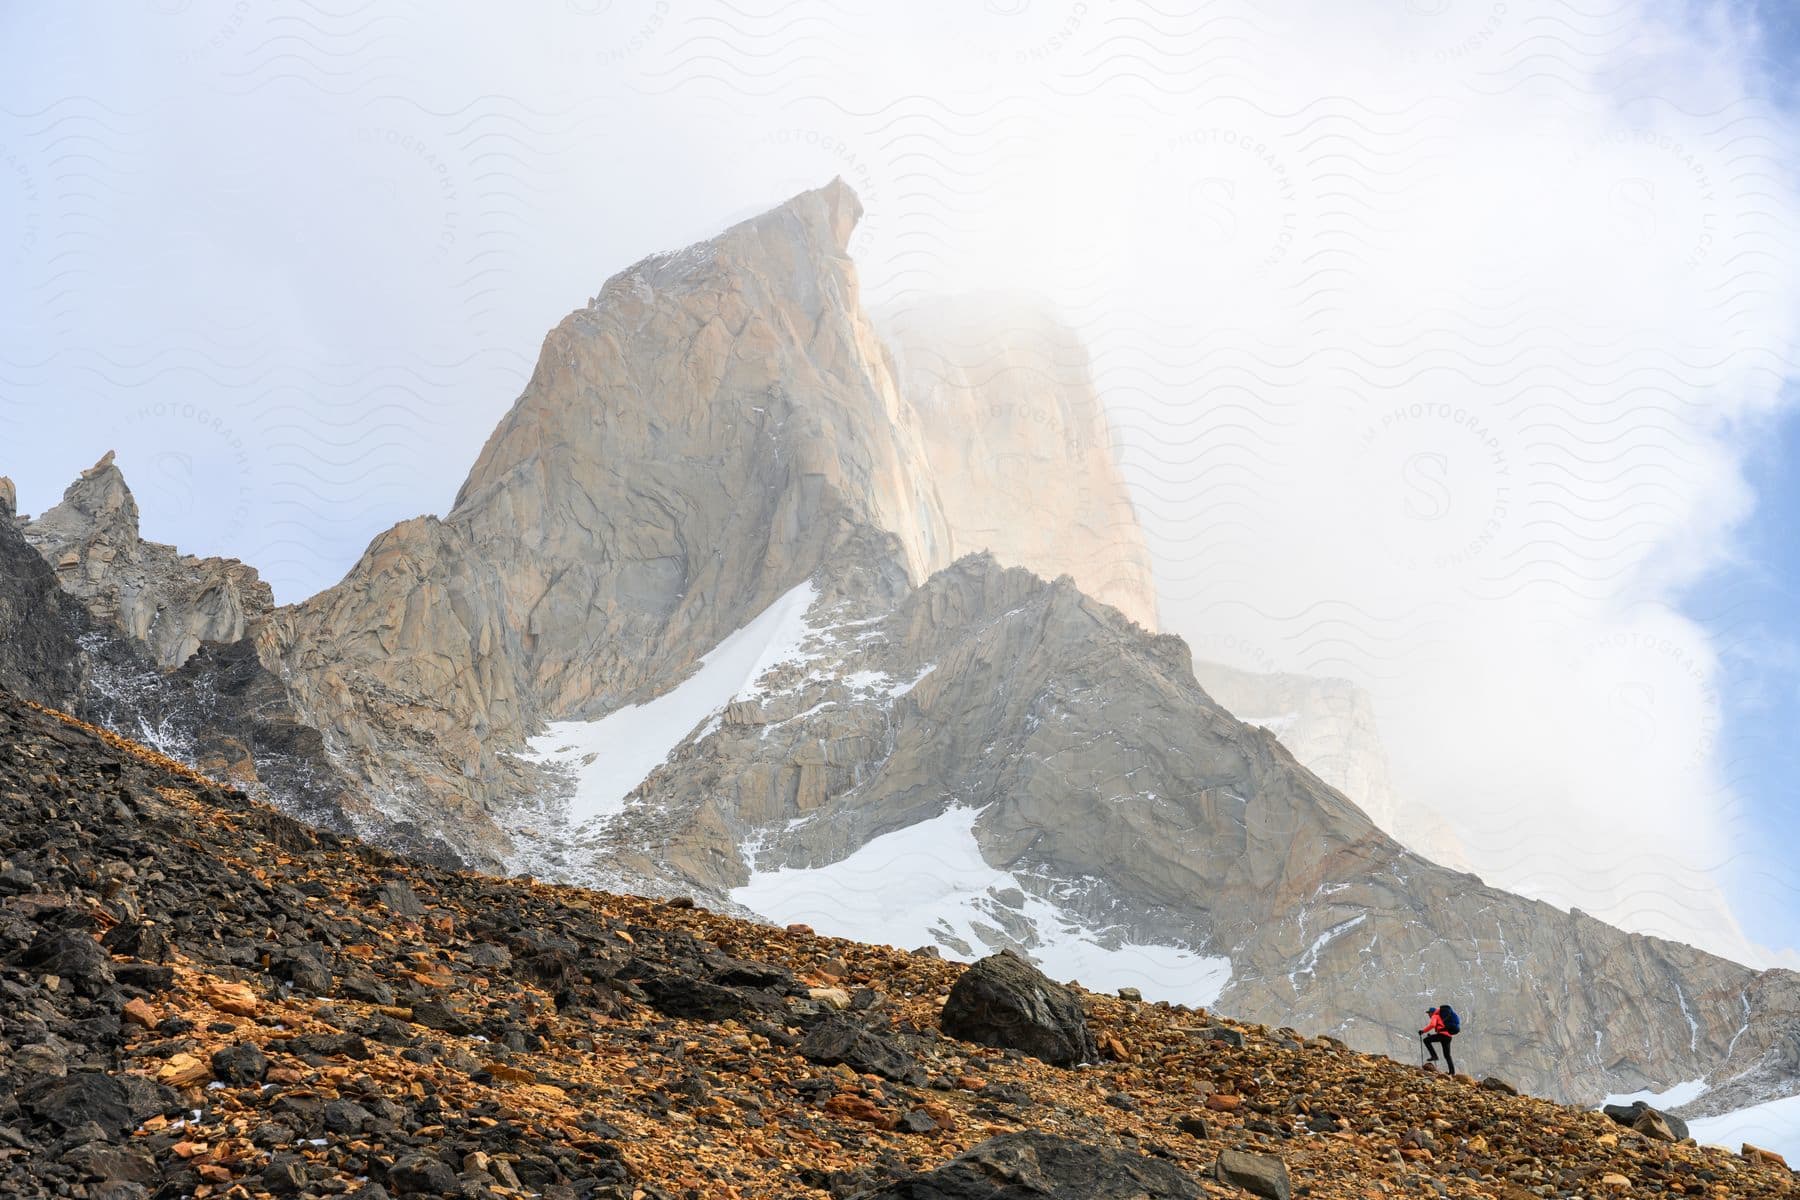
613	755
1275	725
1772	1126
1675	1097
929	884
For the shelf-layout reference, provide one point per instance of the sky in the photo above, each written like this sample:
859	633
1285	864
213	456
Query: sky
1448	344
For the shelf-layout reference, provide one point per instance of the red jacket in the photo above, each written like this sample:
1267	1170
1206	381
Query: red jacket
1436	1025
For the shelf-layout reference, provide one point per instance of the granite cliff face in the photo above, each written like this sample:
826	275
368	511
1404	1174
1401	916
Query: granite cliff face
715	427
1019	445
737	603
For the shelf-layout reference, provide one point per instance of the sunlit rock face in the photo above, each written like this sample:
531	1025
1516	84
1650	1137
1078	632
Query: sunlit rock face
1021	452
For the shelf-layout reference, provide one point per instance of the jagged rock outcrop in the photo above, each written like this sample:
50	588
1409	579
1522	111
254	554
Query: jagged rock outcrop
165	601
1330	726
1022	455
221	710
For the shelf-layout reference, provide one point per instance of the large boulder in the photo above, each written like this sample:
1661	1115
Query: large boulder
1259	1174
1641	1117
840	1040
1018	1166
1005	1001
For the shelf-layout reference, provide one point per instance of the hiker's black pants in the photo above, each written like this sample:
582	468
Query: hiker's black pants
1433	1041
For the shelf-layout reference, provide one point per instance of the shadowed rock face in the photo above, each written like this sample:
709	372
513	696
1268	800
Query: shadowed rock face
165	601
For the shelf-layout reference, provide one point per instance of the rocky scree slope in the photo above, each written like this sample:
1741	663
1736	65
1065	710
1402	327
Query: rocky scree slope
204	997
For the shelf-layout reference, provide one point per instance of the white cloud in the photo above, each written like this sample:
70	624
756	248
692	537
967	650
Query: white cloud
1431	327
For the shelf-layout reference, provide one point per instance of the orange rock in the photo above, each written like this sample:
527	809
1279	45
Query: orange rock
1223	1103
798	928
1766	1157
946	1120
857	1108
1114	1049
971	1083
500	1070
138	1012
234	998
184	1071
213	1173
190	1149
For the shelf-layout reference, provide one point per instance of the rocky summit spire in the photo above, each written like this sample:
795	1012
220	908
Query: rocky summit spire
168	602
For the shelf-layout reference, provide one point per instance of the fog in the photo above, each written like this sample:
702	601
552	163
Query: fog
1434	333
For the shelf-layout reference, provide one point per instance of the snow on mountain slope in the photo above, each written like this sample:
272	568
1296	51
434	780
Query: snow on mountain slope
1675	1097
611	756
928	884
1772	1126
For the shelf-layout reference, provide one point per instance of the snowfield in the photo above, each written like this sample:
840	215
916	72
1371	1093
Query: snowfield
611	756
1773	1126
1675	1097
928	884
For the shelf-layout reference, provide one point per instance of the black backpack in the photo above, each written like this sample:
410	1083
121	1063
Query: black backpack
1452	1022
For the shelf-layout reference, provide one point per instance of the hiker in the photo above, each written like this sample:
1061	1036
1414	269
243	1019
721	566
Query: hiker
1441	1024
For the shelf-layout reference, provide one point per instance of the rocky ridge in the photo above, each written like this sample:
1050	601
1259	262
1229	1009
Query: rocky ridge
1330	726
165	601
207	998
1110	808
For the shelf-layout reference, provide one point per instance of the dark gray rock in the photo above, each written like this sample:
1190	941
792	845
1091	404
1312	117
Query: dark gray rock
1005	1001
397	896
77	1099
840	1040
1632	1115
1194	1126
347	1116
1259	1174
244	1063
413	1174
1023	1166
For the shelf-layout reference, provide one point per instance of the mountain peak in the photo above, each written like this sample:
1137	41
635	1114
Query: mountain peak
98	500
832	208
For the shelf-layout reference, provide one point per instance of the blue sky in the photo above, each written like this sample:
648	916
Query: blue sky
1752	609
1751	606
